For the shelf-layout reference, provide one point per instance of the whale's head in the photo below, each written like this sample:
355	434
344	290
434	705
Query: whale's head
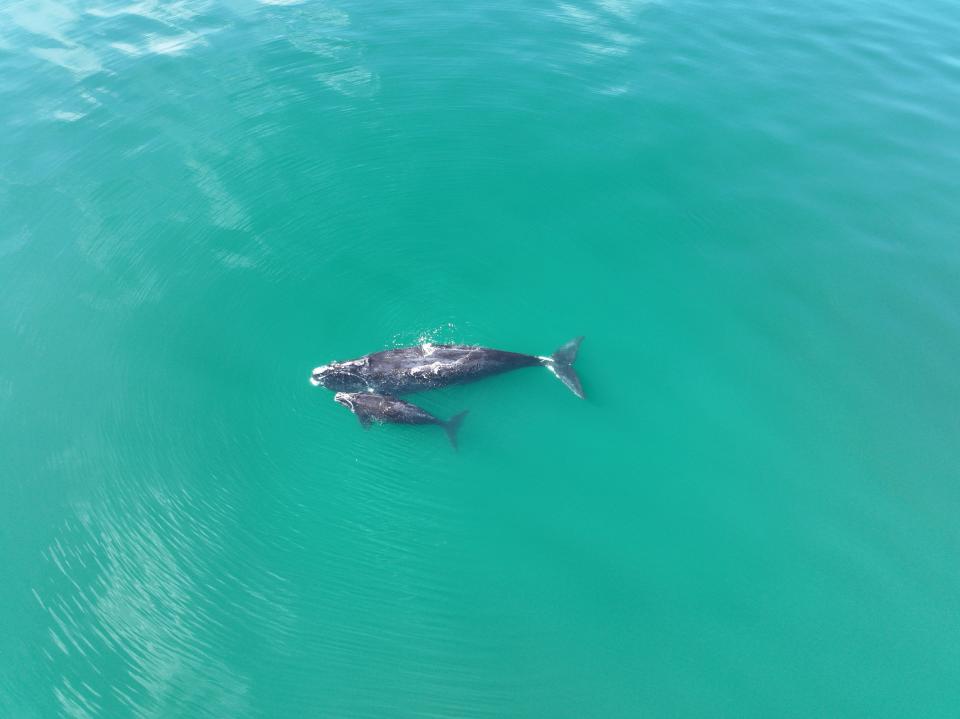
319	374
340	375
326	375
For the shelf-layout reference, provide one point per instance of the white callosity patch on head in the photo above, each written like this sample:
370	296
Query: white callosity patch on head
321	370
335	369
343	398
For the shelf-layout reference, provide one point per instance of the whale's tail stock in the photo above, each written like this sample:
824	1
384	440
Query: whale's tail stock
452	425
561	364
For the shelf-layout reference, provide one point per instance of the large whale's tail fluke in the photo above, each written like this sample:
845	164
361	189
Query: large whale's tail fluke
561	364
452	425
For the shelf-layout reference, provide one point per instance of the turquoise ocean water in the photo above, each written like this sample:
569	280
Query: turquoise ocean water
750	210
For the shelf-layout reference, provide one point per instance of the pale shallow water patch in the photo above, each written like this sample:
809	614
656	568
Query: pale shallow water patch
44	18
173	44
323	31
225	210
234	260
67	115
78	60
126	594
62	28
356	81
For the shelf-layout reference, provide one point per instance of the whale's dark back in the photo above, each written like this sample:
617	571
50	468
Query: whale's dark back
384	408
414	369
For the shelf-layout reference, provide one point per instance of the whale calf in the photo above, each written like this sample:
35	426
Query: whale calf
429	366
370	407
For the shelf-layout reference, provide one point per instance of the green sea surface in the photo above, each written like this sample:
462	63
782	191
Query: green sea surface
749	209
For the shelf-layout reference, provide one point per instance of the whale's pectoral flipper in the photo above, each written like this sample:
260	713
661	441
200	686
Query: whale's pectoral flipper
452	425
364	419
561	364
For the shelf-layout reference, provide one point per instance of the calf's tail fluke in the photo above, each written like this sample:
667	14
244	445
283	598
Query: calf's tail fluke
561	364
452	425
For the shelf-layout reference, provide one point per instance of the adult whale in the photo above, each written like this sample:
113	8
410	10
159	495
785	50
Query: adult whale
428	366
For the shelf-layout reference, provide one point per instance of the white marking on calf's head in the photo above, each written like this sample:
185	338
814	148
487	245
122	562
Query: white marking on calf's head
343	398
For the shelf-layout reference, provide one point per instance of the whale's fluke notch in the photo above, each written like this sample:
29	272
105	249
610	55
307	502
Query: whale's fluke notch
561	364
452	425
